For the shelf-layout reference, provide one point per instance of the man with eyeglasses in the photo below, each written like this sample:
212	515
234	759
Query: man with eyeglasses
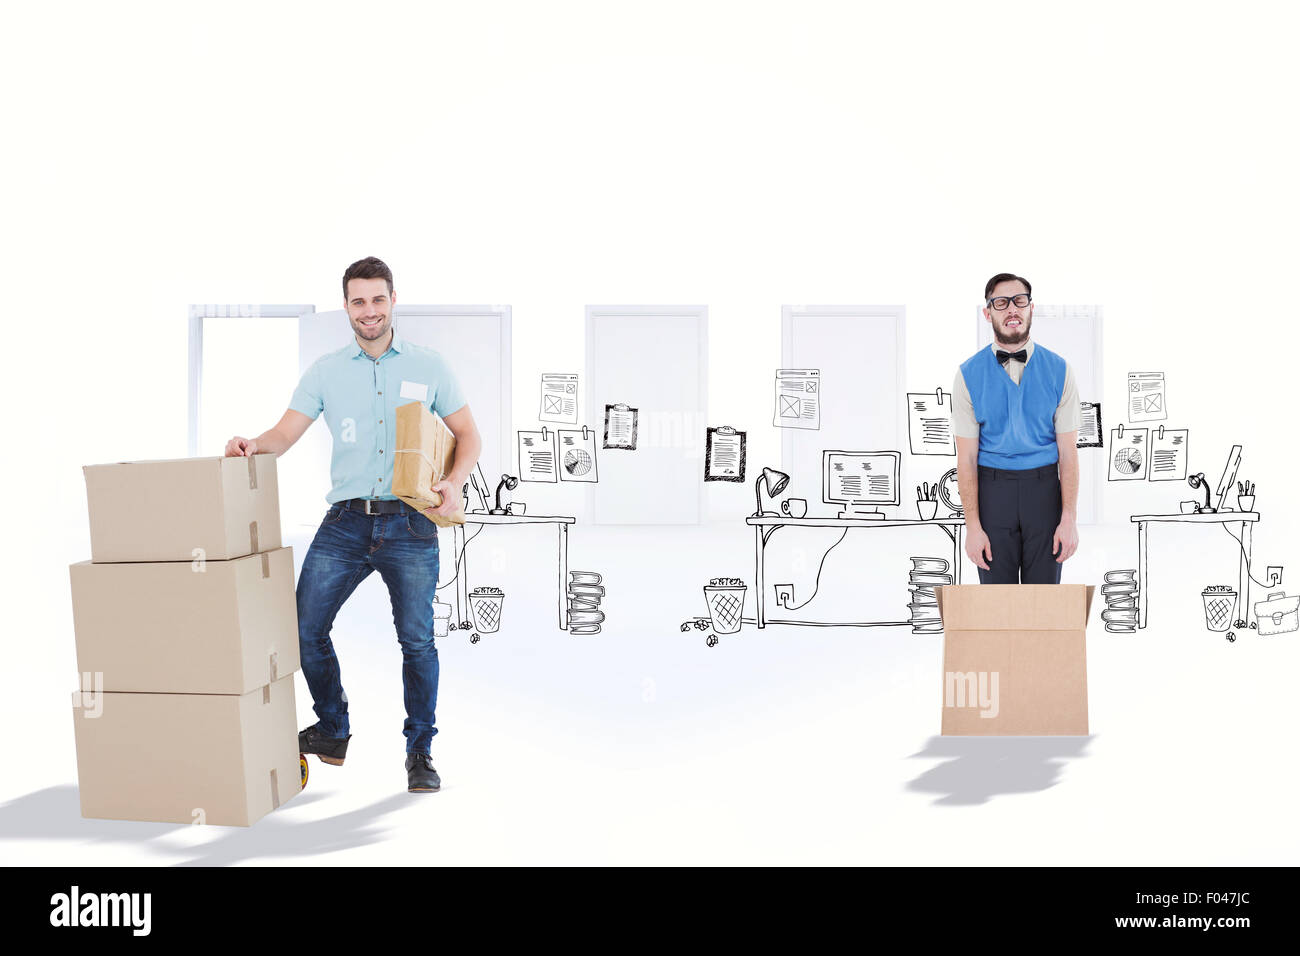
1015	413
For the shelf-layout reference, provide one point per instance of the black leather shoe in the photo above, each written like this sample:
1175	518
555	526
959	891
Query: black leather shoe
329	749
420	775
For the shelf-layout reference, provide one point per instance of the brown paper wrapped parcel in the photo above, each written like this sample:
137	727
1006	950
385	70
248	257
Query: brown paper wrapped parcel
425	451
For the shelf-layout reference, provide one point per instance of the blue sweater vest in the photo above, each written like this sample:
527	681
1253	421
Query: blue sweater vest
1017	427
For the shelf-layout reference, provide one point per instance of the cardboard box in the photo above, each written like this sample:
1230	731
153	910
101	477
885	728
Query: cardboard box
1014	659
184	508
187	758
186	627
426	449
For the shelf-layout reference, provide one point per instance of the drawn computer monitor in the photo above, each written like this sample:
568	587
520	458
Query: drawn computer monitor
860	480
1229	476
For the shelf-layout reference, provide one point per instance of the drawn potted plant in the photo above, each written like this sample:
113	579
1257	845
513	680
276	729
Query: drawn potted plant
1246	495
927	500
726	600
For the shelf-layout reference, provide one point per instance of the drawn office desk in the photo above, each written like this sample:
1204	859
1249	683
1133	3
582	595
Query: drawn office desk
1245	518
765	527
458	544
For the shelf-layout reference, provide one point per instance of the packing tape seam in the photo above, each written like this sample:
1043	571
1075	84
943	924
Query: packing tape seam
417	451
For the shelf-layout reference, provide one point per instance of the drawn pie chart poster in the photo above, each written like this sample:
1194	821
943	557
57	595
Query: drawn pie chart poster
577	455
1129	456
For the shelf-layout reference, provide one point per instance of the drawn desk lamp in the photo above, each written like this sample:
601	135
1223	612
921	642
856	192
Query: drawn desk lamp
507	481
776	482
1198	480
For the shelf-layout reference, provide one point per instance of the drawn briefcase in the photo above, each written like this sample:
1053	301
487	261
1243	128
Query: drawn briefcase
1278	615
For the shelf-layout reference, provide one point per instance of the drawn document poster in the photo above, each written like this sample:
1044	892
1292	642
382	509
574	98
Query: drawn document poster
1089	425
1146	396
724	454
537	455
577	455
798	398
1168	454
929	423
1128	454
620	427
559	398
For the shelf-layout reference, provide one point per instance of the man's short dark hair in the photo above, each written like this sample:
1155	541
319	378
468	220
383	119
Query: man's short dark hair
368	268
1005	277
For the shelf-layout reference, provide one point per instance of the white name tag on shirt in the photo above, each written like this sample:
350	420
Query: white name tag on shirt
416	391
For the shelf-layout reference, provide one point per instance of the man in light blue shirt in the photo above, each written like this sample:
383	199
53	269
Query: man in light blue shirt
358	389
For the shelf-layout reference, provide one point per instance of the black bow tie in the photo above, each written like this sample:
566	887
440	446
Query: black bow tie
1021	356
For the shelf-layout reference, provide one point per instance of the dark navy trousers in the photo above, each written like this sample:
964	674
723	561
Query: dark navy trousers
1020	511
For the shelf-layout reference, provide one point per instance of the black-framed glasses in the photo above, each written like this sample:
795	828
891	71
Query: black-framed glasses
1000	302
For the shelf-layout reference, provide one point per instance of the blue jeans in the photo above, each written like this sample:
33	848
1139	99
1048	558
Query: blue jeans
348	545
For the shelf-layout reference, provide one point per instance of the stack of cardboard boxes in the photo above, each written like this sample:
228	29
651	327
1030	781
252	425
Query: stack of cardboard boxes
187	642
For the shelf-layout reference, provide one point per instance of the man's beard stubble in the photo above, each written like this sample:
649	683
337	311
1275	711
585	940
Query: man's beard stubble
378	332
1019	339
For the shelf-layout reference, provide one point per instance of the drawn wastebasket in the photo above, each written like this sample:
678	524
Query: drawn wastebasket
726	600
1219	601
485	608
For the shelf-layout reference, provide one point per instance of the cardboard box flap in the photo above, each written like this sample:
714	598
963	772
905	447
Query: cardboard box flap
1014	607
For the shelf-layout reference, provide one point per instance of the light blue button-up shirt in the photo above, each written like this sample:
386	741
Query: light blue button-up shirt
359	396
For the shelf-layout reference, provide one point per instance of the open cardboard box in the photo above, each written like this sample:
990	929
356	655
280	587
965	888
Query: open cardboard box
1014	659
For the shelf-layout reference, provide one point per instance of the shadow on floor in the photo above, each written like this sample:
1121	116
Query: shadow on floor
977	769
55	814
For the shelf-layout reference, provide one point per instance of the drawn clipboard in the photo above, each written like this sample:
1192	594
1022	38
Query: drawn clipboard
1090	428
620	427
724	454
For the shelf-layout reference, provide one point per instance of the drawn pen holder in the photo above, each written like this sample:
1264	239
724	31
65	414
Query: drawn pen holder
1246	502
927	509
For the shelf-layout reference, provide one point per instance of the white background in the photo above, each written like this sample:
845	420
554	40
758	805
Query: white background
743	155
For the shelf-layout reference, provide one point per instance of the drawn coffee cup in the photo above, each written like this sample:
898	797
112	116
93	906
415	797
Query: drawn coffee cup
795	507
